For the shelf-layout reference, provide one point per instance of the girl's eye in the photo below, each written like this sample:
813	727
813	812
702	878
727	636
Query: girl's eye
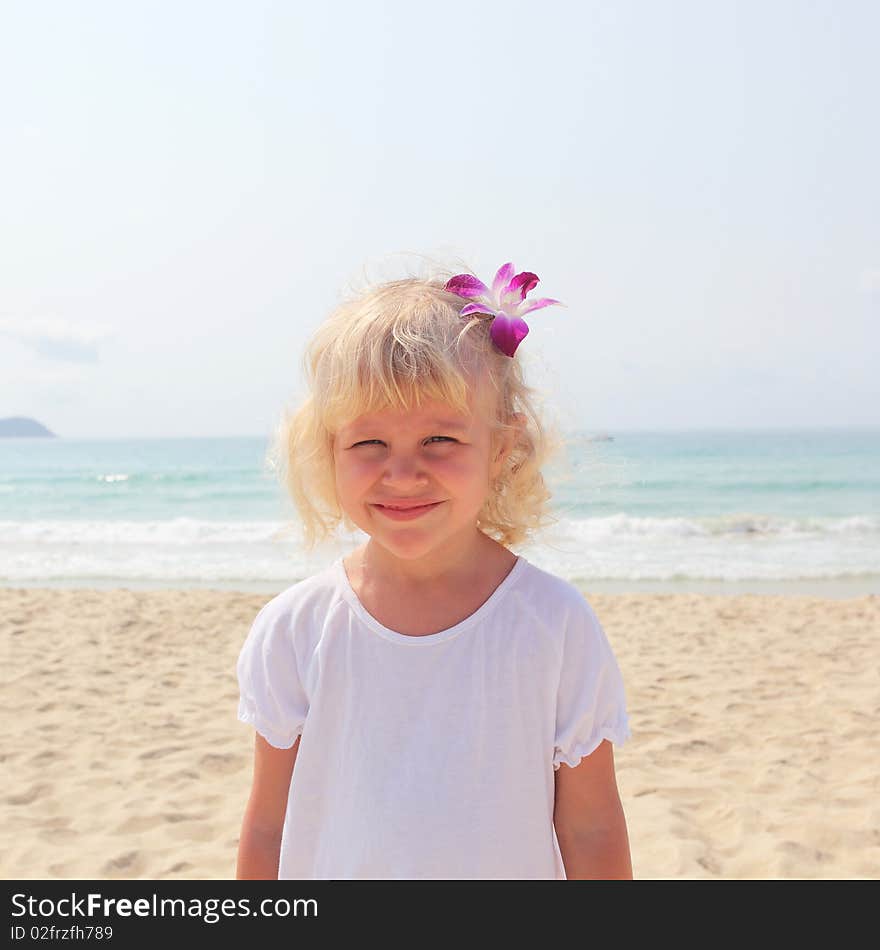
379	441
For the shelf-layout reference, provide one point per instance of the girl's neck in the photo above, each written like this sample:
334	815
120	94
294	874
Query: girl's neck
377	568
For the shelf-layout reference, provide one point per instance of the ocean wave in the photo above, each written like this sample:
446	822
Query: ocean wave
621	547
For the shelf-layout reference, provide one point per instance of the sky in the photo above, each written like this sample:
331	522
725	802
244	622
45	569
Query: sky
188	189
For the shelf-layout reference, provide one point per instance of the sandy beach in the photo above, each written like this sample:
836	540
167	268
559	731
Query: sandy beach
753	754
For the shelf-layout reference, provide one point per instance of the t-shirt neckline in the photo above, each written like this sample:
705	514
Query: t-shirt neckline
428	638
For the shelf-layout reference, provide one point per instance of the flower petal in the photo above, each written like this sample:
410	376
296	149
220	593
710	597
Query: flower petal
470	308
508	332
531	305
523	282
466	285
502	279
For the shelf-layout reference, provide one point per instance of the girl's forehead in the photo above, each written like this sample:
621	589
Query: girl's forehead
434	413
431	412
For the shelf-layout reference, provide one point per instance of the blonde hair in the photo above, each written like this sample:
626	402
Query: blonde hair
392	345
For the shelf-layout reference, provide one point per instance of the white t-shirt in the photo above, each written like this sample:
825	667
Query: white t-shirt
429	757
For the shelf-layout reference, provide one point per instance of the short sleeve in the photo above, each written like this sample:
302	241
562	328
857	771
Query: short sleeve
272	698
591	703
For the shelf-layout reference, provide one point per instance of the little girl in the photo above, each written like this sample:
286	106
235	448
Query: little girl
431	706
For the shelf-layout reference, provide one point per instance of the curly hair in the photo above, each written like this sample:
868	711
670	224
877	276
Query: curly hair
391	345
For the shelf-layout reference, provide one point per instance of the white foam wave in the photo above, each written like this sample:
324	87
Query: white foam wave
620	547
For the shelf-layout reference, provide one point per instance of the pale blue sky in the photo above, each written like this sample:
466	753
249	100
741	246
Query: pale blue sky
188	187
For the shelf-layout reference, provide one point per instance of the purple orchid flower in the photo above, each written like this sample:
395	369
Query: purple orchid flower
506	302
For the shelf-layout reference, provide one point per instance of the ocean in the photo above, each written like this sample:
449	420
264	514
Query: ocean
701	511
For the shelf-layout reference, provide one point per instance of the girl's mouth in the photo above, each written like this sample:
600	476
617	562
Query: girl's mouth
406	514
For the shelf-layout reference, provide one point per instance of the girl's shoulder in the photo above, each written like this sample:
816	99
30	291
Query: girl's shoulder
301	607
562	609
552	595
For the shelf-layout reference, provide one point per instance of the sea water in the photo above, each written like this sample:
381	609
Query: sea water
702	511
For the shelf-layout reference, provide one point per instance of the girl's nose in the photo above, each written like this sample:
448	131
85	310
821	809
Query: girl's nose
403	469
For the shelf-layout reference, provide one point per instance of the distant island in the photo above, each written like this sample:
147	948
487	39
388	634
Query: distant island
18	427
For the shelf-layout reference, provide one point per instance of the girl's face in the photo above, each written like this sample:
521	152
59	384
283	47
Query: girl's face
433	454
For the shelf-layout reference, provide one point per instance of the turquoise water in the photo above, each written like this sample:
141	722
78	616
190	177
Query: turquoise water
763	511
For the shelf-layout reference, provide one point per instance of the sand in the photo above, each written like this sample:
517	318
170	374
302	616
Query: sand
754	751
